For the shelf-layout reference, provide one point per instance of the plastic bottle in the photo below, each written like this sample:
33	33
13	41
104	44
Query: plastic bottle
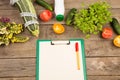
59	10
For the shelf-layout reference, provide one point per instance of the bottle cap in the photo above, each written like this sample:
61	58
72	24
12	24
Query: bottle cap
59	17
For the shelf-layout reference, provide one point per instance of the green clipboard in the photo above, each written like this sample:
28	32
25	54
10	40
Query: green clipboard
59	60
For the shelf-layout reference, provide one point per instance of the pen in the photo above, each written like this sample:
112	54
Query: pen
77	55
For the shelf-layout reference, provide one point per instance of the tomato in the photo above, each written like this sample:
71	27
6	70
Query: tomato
46	15
107	33
58	28
116	41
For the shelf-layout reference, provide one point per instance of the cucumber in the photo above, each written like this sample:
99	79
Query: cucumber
70	16
44	4
116	26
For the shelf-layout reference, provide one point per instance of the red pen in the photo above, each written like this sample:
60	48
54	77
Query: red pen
77	55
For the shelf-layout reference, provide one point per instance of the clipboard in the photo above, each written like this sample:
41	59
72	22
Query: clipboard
58	60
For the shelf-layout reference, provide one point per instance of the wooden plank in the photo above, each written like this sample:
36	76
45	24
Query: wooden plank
5	4
77	3
89	78
94	46
19	78
103	77
26	67
101	47
103	66
17	67
14	15
21	50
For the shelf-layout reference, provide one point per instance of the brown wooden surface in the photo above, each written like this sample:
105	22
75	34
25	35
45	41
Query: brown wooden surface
17	61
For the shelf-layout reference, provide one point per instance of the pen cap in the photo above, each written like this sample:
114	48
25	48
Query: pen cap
76	47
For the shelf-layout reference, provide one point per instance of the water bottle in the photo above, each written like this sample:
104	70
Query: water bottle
59	10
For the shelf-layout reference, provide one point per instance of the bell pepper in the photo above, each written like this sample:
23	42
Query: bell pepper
58	28
116	41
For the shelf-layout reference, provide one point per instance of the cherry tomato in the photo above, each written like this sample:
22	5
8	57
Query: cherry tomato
116	41
107	33
58	28
46	15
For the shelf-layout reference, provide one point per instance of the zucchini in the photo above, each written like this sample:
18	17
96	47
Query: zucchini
44	4
116	26
27	6
70	16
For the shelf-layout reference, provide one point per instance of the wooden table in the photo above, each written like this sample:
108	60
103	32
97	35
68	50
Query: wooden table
17	61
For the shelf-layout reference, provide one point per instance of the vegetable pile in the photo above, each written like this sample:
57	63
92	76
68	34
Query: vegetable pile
9	31
92	19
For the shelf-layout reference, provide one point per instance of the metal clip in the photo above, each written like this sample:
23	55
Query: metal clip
61	42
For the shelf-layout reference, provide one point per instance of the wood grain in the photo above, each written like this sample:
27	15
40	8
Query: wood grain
17	61
5	4
103	77
26	67
18	78
89	78
103	66
14	15
22	50
17	67
94	46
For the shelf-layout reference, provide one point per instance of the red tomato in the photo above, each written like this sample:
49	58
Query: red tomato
46	15
107	33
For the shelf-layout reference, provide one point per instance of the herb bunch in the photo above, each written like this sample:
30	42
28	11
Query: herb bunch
9	31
